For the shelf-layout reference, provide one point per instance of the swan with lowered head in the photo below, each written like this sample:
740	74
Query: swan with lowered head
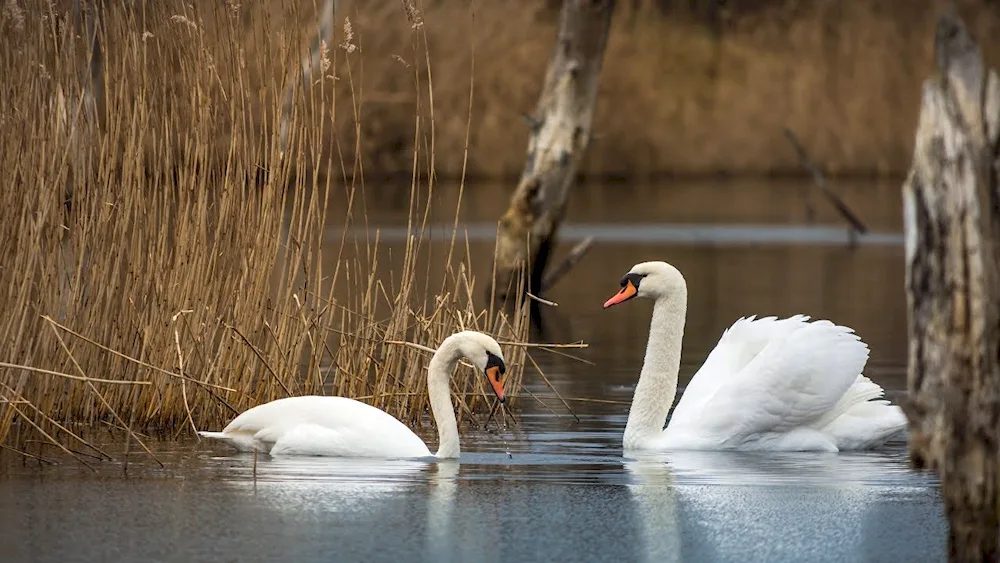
342	427
769	384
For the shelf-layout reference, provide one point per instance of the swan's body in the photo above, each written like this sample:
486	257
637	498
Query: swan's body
769	384
342	427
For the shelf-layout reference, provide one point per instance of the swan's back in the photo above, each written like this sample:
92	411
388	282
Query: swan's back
738	345
768	378
318	425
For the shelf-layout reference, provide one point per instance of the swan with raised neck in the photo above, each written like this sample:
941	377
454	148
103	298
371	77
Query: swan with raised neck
769	384
657	386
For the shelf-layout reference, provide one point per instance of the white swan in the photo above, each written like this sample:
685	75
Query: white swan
342	427
769	384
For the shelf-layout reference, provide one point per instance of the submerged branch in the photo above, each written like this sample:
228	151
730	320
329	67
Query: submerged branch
820	180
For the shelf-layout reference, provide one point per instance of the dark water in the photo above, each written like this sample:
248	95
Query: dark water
553	488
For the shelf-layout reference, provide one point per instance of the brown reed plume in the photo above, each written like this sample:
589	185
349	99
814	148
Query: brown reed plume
189	277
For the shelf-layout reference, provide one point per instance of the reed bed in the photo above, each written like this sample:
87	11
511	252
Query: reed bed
154	280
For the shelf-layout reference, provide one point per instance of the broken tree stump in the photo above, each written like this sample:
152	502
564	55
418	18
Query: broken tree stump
951	214
560	133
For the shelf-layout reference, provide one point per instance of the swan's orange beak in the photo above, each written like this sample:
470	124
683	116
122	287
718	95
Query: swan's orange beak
627	292
493	374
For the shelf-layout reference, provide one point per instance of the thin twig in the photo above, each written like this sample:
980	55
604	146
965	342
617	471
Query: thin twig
261	358
489	417
51	439
55	423
212	393
543	403
131	359
608	401
99	394
540	300
553	387
180	368
540	345
74	377
569	356
26	454
507	413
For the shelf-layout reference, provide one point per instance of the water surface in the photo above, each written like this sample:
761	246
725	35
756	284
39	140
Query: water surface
545	491
555	486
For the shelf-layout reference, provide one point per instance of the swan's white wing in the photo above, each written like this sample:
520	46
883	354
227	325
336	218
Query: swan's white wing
861	419
790	384
317	425
344	441
739	344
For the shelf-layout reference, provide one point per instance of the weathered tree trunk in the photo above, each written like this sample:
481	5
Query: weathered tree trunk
311	63
952	221
559	137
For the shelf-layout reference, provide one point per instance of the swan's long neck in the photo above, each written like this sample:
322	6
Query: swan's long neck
439	389
654	394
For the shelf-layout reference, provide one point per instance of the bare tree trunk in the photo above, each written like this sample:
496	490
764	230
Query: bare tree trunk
559	137
86	23
952	221
310	64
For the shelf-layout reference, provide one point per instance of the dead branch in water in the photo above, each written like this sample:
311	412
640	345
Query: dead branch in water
559	137
952	225
574	256
820	180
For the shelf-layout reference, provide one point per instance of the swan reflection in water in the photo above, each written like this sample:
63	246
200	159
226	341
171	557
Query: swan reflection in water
361	497
325	484
743	506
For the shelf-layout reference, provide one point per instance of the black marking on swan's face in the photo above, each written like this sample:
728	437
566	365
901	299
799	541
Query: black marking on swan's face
630	289
492	360
495	368
634	278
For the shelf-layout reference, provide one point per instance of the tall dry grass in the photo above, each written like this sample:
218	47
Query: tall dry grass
185	281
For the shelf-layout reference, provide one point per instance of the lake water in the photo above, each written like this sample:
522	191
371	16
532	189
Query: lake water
554	487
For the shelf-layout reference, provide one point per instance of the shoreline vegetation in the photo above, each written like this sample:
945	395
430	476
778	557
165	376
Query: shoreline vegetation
685	90
157	277
160	238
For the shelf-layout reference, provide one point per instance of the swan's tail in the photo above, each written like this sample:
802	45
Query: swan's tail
861	419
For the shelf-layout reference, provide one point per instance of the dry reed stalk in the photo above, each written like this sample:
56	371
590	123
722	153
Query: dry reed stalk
182	203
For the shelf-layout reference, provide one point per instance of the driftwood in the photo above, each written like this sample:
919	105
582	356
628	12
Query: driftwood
952	220
560	133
